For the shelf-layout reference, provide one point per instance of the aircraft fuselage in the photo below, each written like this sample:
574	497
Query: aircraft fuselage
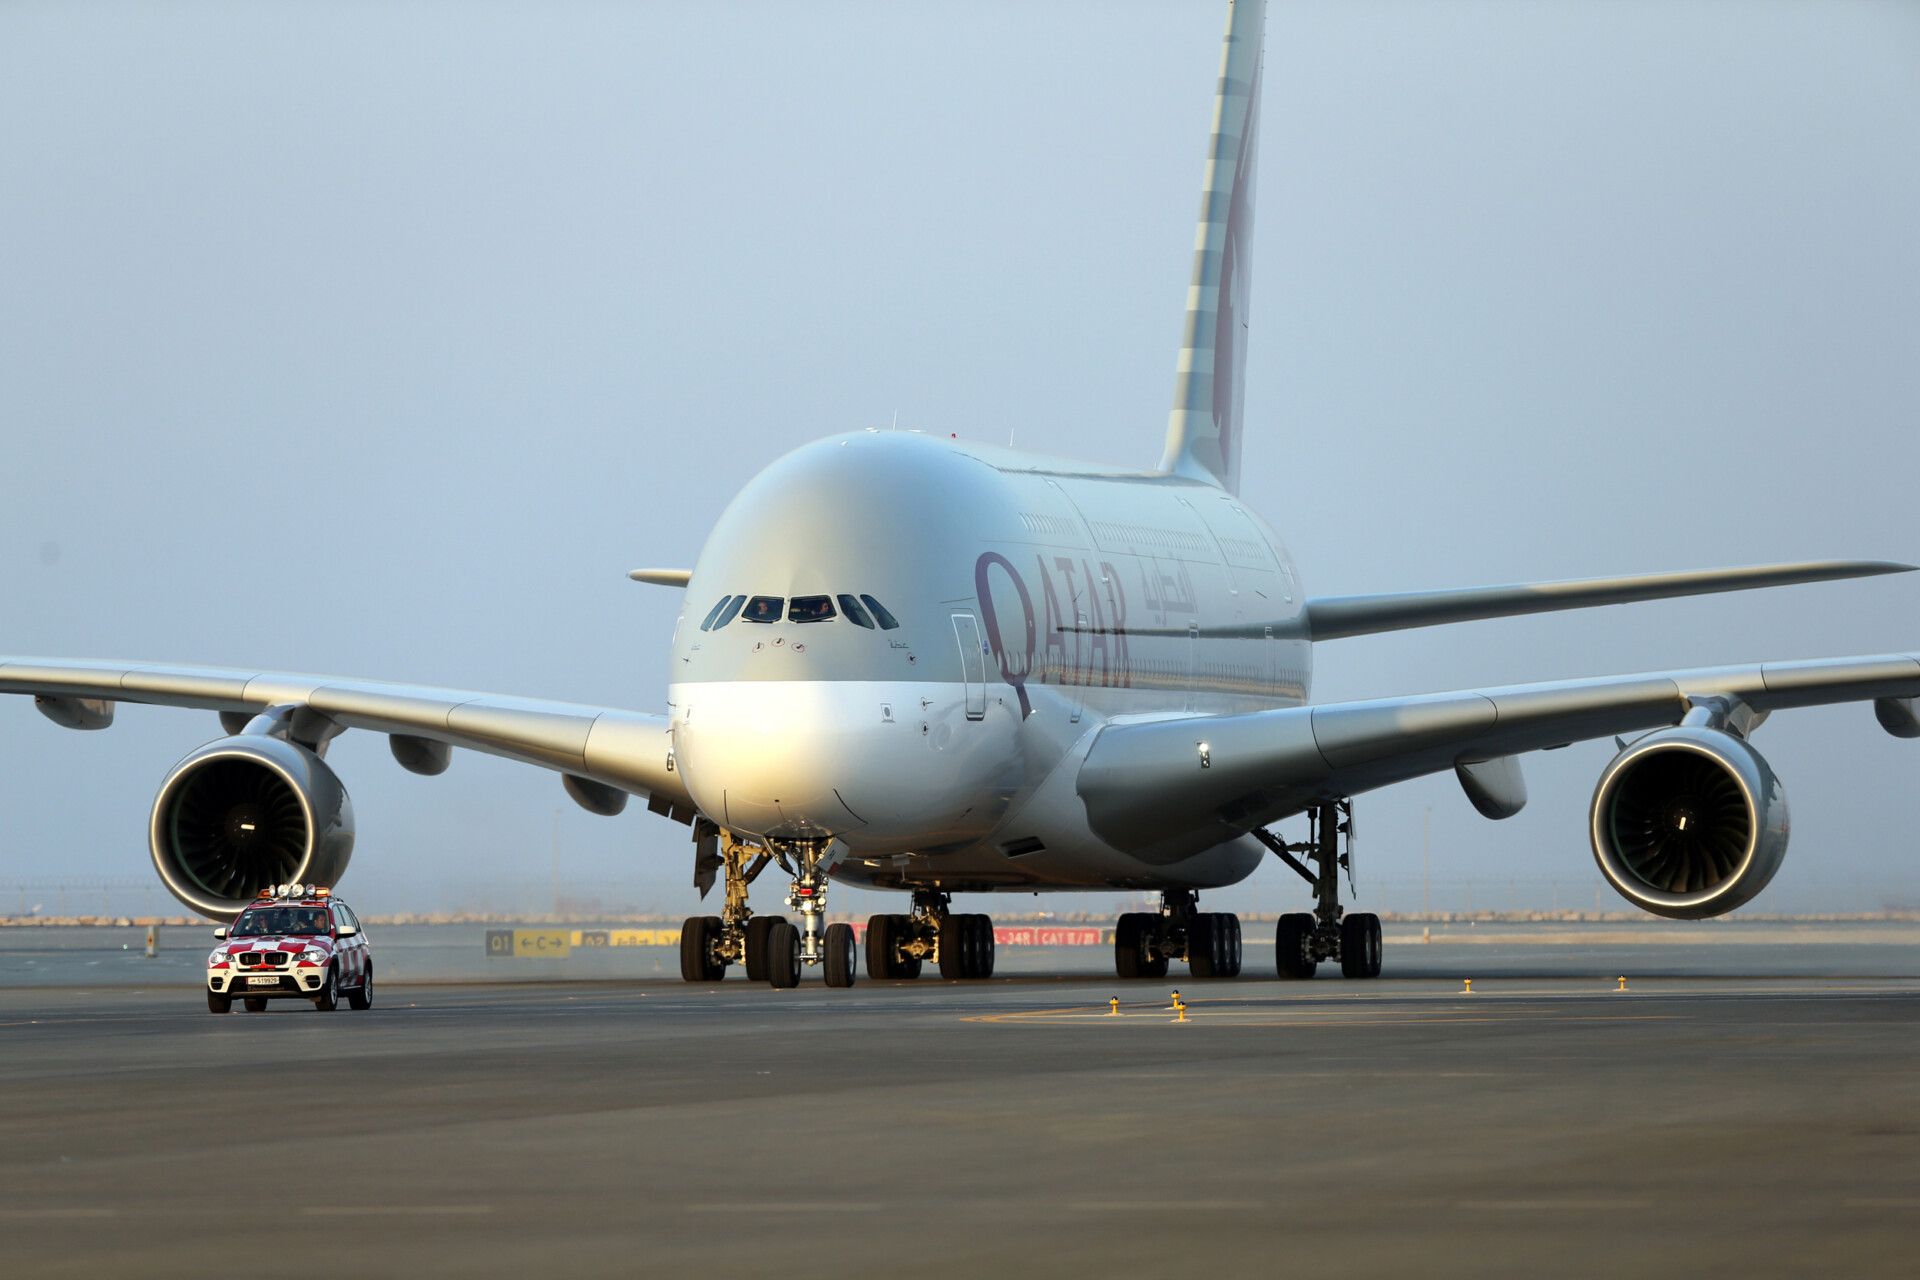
1036	600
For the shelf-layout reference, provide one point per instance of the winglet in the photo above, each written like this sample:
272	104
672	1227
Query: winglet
661	577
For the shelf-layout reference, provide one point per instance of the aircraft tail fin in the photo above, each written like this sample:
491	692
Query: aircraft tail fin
1203	431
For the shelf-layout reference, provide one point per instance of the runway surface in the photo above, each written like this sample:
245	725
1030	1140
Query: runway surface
1748	1109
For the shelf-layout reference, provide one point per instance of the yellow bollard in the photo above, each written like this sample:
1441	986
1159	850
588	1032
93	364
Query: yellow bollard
1469	990
1113	1006
153	941
1623	982
1179	1007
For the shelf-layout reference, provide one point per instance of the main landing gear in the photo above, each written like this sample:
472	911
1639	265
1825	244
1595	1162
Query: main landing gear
961	944
1145	942
1303	939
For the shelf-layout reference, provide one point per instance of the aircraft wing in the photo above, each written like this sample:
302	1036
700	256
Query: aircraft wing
597	747
1164	789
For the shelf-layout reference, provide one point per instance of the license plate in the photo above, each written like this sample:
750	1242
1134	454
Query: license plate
263	982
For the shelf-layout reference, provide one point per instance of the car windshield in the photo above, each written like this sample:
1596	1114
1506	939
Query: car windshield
763	609
280	922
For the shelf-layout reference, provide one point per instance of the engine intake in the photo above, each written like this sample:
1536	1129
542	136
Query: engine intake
1689	822
246	812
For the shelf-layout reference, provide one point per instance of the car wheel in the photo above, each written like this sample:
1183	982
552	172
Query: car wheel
363	998
327	998
217	1003
254	1004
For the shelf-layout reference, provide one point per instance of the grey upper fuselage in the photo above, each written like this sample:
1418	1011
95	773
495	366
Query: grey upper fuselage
1082	584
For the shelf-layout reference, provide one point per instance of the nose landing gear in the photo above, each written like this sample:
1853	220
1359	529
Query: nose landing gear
1303	939
1145	942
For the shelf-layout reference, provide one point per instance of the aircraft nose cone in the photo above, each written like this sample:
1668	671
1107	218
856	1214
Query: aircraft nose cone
769	758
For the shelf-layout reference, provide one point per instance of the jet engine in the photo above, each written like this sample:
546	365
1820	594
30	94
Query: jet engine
245	812
1689	822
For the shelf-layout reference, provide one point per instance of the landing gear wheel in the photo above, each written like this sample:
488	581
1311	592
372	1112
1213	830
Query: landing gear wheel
982	947
1203	945
880	952
1235	953
954	932
696	950
783	955
254	1004
842	960
363	998
1293	946
758	930
1360	945
327	999
1128	954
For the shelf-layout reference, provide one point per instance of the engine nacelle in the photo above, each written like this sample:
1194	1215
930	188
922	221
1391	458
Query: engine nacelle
1689	822
246	812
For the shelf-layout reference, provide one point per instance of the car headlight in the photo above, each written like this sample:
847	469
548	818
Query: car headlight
218	960
313	955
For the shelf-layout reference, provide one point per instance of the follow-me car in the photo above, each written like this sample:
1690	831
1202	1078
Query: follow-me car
923	664
294	942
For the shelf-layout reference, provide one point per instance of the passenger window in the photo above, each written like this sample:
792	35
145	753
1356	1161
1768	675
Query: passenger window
763	609
886	620
810	609
714	612
855	612
733	606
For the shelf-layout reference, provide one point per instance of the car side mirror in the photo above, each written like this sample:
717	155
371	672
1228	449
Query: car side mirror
347	931
219	935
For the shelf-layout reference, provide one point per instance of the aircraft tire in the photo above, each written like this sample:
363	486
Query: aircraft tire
982	947
696	950
842	959
783	955
217	1003
1203	945
1235	953
1129	957
756	959
1290	940
1360	945
954	948
880	961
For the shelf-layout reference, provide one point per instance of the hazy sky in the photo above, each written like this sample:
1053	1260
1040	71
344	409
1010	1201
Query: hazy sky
383	339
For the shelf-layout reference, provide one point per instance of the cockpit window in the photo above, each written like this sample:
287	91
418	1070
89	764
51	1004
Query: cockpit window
855	611
886	620
763	609
714	613
810	609
733	604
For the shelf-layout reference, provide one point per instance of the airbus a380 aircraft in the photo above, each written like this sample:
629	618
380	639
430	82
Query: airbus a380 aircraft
928	665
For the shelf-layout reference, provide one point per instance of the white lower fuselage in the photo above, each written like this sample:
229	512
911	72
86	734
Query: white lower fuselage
929	765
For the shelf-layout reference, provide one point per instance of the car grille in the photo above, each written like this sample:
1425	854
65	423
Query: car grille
262	959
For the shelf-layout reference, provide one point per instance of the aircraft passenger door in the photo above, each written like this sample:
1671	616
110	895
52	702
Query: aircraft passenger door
966	632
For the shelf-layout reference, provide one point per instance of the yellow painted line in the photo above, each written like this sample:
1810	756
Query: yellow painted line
398	1211
1289	1018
